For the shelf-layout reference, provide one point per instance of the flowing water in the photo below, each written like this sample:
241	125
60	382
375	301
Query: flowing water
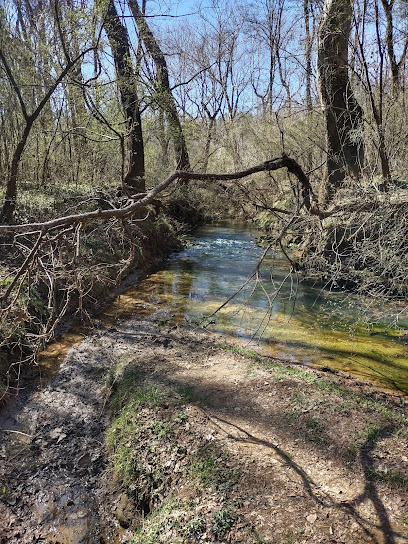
297	322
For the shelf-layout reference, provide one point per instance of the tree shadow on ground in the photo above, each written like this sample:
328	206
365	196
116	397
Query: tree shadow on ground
370	491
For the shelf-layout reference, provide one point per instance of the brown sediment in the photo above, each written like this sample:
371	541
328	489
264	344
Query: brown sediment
306	453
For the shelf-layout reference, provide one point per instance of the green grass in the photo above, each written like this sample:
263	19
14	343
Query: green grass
281	371
223	521
204	465
162	519
316	431
161	429
196	527
394	477
208	468
131	389
372	432
144	434
129	429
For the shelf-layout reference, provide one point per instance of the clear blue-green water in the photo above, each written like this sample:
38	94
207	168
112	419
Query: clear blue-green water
293	320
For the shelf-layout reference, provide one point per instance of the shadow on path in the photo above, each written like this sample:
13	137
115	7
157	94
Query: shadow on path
369	493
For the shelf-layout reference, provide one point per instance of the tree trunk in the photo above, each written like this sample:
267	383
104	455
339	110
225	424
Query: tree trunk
308	55
165	97
10	200
210	132
396	66
120	45
164	140
343	114
69	28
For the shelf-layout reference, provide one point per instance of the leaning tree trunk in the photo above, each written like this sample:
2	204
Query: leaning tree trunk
343	114
165	97
126	79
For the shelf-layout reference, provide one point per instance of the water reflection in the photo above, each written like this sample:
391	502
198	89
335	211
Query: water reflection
302	322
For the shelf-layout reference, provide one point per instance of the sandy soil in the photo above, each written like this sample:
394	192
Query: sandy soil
317	464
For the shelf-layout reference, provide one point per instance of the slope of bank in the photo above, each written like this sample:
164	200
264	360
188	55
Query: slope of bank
39	301
151	433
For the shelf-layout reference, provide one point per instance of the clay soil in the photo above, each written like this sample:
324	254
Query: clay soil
236	448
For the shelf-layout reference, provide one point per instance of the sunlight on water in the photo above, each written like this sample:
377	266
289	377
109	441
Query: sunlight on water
296	322
322	328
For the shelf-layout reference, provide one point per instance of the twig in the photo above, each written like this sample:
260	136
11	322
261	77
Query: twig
22	268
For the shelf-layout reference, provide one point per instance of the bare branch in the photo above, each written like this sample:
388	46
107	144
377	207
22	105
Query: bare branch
23	268
64	72
143	199
14	85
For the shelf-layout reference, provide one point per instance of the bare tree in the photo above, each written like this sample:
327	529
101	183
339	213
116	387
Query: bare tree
343	114
165	97
29	120
395	64
68	29
375	86
126	80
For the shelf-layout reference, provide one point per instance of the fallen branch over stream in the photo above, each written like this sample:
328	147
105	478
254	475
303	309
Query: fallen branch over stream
54	272
144	199
52	248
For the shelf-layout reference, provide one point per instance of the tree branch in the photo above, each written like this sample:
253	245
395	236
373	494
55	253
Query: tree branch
14	85
143	199
64	72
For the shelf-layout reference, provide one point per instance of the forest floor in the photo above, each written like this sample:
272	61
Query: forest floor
151	433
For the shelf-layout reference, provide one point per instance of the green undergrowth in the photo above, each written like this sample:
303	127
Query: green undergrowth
182	484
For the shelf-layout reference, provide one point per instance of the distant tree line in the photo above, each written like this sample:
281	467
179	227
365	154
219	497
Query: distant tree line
92	81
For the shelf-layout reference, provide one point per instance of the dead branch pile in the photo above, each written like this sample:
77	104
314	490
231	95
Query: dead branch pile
364	247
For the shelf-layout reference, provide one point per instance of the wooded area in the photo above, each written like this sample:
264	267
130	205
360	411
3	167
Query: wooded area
104	106
139	414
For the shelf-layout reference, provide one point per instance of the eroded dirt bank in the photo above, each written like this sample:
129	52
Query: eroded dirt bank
229	448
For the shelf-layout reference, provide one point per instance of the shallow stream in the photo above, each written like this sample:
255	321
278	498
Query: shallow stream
295	321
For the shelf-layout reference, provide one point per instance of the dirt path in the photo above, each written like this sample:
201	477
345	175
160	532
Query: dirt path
320	459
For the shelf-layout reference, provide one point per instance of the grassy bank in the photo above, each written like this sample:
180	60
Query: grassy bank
215	443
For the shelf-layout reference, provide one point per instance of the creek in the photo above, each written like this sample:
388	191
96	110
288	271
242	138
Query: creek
293	320
55	436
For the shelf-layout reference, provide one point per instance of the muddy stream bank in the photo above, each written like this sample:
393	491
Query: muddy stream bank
56	485
294	321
